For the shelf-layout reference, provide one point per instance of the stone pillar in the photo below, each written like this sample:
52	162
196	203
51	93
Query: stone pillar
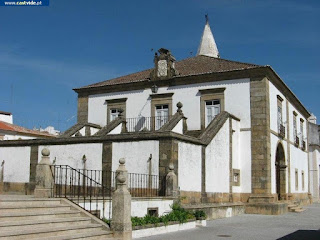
121	205
171	182
44	178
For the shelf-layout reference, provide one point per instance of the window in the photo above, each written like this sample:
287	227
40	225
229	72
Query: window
211	104
295	135
161	109
113	107
212	110
301	132
281	128
114	113
161	115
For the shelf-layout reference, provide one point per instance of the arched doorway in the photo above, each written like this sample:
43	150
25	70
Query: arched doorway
281	173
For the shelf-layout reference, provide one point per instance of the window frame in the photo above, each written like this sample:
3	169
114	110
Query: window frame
210	95
112	104
160	99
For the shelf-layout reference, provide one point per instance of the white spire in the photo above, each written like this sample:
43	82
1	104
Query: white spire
208	46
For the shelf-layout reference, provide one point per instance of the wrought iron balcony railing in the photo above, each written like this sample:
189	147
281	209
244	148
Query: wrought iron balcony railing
297	140
146	123
303	145
282	131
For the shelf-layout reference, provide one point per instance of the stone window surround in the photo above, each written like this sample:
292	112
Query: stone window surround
161	99
210	94
116	104
279	104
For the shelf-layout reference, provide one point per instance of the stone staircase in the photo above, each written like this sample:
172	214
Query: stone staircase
26	217
295	207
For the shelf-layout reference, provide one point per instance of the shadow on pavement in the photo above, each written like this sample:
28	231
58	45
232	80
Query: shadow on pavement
302	235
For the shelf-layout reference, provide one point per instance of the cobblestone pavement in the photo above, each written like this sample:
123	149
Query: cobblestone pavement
255	227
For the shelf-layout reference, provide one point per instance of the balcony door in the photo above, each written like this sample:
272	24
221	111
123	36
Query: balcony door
161	115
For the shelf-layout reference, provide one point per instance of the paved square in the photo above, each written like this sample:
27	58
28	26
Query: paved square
255	227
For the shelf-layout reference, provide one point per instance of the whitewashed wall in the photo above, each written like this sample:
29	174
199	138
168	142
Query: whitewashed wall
245	169
298	158
274	145
137	155
179	127
72	155
236	156
314	163
139	207
237	100
189	169
17	163
217	162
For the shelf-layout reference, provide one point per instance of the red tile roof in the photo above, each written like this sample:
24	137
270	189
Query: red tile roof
191	66
24	131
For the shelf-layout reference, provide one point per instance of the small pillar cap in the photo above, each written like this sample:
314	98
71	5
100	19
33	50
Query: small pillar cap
45	152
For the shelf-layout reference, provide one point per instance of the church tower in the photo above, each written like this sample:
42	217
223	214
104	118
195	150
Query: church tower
208	46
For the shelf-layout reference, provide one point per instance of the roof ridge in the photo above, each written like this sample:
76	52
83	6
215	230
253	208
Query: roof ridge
228	60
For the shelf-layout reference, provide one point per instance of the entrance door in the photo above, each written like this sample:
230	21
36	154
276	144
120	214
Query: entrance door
280	172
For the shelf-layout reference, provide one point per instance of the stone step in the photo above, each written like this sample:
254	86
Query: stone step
52	222
21	216
46	232
34	209
29	202
96	235
299	210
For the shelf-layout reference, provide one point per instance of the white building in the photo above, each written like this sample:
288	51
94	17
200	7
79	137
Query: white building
10	131
240	133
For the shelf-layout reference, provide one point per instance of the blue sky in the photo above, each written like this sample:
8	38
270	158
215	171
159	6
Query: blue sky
47	51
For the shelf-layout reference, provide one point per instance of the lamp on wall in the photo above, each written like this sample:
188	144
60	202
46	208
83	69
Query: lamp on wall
154	88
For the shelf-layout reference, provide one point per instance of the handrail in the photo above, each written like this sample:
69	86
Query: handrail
81	189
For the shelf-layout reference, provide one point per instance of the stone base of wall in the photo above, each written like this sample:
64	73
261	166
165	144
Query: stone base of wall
190	197
263	198
16	188
266	208
225	197
301	198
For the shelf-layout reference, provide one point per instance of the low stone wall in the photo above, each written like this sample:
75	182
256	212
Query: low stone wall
215	211
146	231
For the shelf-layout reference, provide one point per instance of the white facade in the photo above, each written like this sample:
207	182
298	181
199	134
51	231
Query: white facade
16	168
189	169
217	162
236	95
298	157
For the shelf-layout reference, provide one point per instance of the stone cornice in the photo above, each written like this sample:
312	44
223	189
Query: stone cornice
123	137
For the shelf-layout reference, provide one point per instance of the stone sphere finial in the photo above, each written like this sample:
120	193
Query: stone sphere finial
45	152
121	178
171	167
122	161
179	106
